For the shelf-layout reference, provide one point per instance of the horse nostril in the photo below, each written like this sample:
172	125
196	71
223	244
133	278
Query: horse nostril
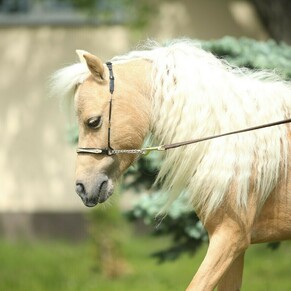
80	189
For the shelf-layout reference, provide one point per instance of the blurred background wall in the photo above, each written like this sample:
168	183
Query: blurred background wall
37	194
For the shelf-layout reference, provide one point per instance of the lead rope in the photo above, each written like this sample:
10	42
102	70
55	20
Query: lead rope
179	144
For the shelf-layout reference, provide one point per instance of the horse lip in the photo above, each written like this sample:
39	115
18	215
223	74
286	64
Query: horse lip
90	203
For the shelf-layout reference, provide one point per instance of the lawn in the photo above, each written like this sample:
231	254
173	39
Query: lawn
57	265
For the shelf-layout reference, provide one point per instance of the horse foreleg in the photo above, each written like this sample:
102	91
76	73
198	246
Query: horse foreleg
225	247
232	279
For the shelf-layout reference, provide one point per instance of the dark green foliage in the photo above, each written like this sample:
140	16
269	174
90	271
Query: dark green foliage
274	245
180	223
141	176
246	52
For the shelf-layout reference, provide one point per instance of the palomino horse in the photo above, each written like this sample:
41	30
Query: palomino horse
237	184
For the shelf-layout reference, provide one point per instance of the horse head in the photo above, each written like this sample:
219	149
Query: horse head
117	121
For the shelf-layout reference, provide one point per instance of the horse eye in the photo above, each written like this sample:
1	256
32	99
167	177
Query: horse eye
94	122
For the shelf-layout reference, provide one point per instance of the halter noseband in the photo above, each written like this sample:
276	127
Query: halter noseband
109	151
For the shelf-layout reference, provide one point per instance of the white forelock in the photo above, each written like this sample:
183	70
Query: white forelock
64	81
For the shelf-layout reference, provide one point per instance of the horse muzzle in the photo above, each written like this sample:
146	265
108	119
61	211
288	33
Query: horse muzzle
94	192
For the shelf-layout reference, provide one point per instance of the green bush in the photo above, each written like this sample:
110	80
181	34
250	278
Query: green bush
245	52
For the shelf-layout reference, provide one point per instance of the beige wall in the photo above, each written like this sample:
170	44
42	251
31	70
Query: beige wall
36	161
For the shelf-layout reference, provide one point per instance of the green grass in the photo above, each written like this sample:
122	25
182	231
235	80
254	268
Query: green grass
42	266
267	269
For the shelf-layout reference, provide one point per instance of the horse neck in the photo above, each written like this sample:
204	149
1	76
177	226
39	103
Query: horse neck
133	85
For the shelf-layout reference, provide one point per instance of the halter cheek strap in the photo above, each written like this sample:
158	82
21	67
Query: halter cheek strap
111	90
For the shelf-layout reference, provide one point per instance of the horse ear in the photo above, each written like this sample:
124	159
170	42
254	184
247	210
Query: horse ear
80	54
94	64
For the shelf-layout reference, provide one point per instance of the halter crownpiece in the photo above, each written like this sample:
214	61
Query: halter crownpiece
109	151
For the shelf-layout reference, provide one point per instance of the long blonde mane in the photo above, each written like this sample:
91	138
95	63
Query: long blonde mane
197	95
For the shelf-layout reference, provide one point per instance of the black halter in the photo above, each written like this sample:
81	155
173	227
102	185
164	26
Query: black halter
109	151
